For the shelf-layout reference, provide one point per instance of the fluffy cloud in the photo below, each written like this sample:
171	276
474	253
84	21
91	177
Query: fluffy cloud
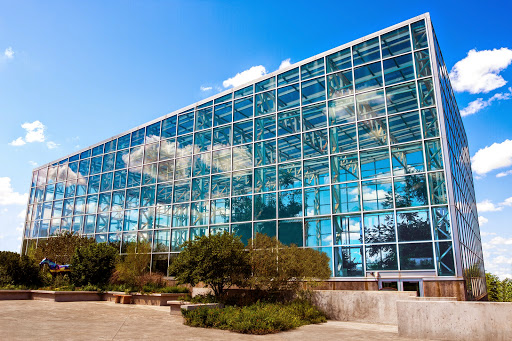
488	206
479	71
285	63
9	53
503	174
7	194
479	104
482	220
205	88
500	241
245	76
18	142
495	156
52	145
34	132
507	202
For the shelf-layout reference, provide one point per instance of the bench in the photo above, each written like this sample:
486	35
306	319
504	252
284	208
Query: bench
123	299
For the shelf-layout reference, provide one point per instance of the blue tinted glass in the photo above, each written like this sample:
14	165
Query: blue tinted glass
396	42
290	204
367	51
419	34
267	84
288	77
402	98
224	98
106	182
288	97
204	118
291	232
169	127
313	90
153	130
243	109
74	158
96	165
223	114
109	147
312	69
123	142
85	154
265	103
398	69
244	92
242	132
265	127
339	60
368	77
185	123
204	105
84	167
97	150
340	84
120	179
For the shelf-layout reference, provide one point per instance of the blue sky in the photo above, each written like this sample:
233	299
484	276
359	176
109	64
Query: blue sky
79	73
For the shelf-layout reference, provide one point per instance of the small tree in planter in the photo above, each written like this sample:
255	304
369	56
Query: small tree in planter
219	261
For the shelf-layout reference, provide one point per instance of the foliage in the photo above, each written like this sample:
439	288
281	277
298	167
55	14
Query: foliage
18	270
279	267
498	290
259	318
133	268
219	261
60	248
93	264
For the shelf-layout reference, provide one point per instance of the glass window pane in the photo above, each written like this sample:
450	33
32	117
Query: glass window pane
419	34
138	137
147	218
348	230
242	182
265	103
122	142
368	77
381	257
312	69
266	84
183	167
178	237
375	163
147	196
221	161
316	172
242	132
423	68
265	206
202	164
290	204
288	122
314	116
398	69
416	256
164	194
396	42
404	127
241	209
379	228
348	262
318	232
180	215
149	174
220	211
313	91
203	141
165	171
106	182
411	191
339	60
185	123
430	125
441	222
243	108
203	118
290	232
340	84
265	179
315	143
200	212
288	77
268	228
182	191
224	98
377	194
161	244
372	133
407	159
223	114
413	225
108	162
341	111
426	89
132	198
152	132
343	138
168	127
201	188
437	186
131	220
370	104
242	157
220	186
244	92
444	256
367	51
265	127
343	167
265	153
345	198
288	97
401	98
289	148
167	149
290	175
184	145
317	201
244	231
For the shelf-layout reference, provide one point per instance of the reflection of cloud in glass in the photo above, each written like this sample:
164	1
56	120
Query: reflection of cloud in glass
151	139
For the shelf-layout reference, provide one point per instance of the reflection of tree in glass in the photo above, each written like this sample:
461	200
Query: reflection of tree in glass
241	209
382	257
382	232
412	225
350	266
411	193
289	206
264	207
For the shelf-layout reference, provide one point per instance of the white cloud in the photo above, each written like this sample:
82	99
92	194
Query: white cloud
285	63
35	131
495	156
18	142
33	163
52	145
479	71
9	53
507	202
482	220
205	88
501	241
245	76
479	104
488	206
503	174
485	234
7	194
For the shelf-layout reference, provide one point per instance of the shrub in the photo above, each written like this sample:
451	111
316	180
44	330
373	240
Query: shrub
60	248
133	269
93	264
18	270
219	261
259	318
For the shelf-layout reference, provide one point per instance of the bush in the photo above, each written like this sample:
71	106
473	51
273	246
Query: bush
93	264
218	260
60	248
259	318
18	270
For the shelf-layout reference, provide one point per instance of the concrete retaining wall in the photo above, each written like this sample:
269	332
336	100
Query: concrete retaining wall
455	320
360	306
66	296
15	294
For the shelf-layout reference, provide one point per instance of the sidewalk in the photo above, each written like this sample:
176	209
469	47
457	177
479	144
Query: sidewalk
41	320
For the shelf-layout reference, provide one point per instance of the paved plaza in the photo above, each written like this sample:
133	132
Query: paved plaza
42	320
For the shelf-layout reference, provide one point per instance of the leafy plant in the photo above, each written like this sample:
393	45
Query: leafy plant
93	264
60	248
218	260
18	270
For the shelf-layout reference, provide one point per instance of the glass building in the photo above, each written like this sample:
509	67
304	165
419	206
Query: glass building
358	152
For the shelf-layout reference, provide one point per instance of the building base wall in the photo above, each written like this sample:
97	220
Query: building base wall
454	288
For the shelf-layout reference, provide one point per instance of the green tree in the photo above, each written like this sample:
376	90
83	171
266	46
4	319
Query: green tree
133	265
493	287
276	266
60	248
218	261
93	264
18	270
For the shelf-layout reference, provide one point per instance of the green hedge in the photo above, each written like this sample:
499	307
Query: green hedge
259	318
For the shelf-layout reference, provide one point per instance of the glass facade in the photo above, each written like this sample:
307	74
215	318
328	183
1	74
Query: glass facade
345	153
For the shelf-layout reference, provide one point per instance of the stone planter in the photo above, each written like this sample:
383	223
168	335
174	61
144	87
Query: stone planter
158	299
66	296
15	294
